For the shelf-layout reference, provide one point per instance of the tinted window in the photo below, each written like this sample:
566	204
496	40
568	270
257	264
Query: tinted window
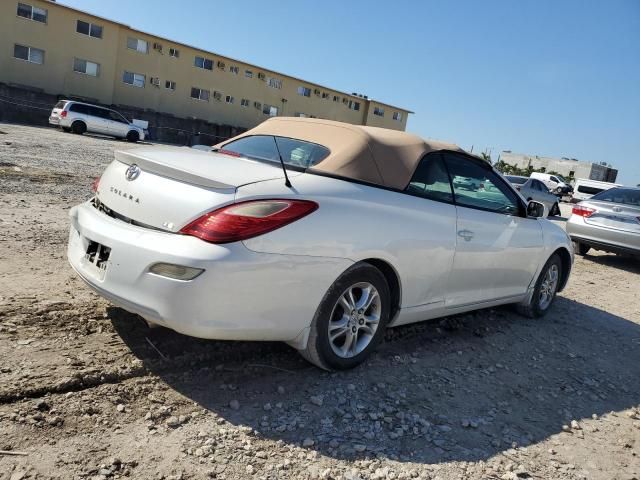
116	117
431	180
78	108
60	104
476	186
98	112
516	180
589	190
554	179
82	27
626	196
294	152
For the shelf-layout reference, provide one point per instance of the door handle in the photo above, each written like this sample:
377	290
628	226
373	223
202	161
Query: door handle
466	234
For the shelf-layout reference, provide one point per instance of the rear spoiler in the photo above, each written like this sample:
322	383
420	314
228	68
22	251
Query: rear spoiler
150	164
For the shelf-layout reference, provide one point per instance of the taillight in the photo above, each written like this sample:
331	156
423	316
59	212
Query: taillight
63	114
95	184
583	211
241	221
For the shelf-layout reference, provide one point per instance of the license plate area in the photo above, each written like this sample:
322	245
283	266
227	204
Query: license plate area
96	258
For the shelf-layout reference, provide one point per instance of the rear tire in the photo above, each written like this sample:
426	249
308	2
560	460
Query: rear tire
78	128
580	248
545	290
133	136
356	328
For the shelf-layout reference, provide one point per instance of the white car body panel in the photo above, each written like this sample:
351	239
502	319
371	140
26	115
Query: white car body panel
270	286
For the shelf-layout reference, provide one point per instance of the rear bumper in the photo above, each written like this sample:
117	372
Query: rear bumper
54	120
602	238
241	295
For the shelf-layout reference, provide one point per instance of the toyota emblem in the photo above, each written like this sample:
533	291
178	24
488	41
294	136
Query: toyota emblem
132	172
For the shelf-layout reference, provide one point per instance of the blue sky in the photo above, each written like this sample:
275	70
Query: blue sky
545	77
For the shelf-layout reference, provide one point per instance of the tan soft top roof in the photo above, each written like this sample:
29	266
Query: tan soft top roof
376	155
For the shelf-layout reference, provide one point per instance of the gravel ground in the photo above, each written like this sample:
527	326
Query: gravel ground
88	391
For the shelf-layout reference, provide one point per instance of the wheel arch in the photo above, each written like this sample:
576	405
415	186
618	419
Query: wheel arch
393	280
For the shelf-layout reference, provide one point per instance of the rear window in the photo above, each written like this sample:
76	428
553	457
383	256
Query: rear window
589	190
296	153
60	104
516	180
625	196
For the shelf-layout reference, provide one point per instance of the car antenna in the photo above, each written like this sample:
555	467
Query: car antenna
286	177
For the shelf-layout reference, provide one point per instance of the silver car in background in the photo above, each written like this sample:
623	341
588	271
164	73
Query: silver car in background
78	117
532	189
608	221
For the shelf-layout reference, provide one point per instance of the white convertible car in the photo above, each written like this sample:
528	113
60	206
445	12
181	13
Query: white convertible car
315	233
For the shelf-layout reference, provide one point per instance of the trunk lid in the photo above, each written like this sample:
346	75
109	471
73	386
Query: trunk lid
168	187
617	216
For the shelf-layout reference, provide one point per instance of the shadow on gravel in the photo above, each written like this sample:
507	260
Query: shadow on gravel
626	263
464	388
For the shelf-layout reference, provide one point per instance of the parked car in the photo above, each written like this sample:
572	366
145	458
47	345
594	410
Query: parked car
555	183
80	117
532	189
584	188
316	233
608	221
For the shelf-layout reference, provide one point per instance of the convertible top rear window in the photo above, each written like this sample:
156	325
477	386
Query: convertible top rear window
296	153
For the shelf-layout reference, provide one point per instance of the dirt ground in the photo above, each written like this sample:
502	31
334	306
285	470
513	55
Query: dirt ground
88	391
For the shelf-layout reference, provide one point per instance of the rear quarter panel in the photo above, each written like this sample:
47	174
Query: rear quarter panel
414	235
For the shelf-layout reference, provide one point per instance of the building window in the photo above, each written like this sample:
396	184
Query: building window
248	73
257	105
274	82
174	52
138	45
135	79
354	105
169	85
90	29
325	95
397	116
229	99
336	98
200	94
204	63
86	67
32	13
235	70
217	96
244	102
33	55
270	110
378	111
304	91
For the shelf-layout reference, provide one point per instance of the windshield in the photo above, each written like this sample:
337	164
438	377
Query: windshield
625	196
516	180
559	177
297	153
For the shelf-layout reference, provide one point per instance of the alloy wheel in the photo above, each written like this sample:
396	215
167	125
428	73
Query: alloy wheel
354	319
548	287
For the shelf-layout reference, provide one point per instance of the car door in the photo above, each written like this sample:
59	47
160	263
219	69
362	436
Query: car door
543	195
527	190
98	120
497	247
118	125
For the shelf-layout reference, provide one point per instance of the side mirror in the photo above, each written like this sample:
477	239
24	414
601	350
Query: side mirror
535	209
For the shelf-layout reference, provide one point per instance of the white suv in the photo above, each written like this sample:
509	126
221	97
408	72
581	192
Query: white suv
80	117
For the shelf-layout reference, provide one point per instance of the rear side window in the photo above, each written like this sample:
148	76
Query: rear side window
431	180
294	152
477	186
589	190
516	180
79	108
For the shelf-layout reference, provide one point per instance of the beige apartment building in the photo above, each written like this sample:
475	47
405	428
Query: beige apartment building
71	53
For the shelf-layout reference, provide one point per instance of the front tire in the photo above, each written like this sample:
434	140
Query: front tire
350	320
545	290
133	136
